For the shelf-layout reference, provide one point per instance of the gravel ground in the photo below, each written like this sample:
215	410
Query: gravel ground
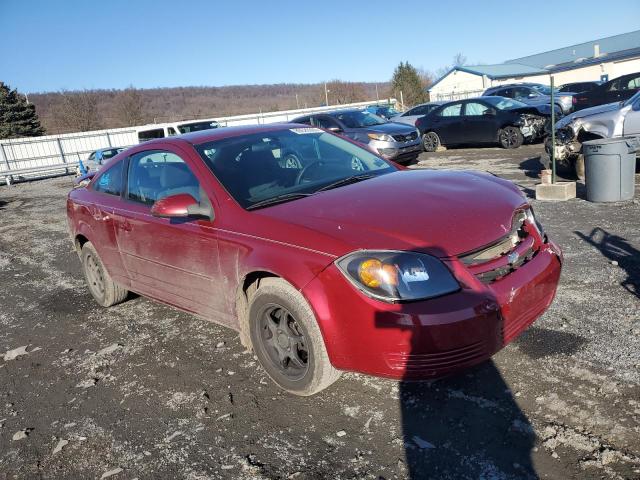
144	391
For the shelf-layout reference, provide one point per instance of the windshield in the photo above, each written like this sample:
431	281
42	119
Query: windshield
286	163
388	111
197	126
504	103
359	119
111	153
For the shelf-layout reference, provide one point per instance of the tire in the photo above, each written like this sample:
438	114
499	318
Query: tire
430	141
510	137
579	167
287	340
102	288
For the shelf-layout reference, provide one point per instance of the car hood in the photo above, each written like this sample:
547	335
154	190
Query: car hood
391	128
541	110
441	212
608	107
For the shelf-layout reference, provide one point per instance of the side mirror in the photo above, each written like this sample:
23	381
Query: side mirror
181	205
335	129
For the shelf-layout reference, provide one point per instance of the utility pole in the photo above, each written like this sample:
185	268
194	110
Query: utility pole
377	97
326	95
401	100
297	102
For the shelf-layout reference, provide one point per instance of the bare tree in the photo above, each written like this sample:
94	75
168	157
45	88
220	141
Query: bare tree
78	111
129	107
459	60
340	92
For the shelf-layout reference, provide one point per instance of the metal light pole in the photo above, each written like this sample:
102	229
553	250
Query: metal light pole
553	134
326	95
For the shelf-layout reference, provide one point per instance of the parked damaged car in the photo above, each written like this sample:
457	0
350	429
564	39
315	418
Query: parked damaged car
393	141
483	120
343	265
604	121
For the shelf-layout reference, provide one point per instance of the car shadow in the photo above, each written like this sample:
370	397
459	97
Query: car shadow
465	425
533	166
617	249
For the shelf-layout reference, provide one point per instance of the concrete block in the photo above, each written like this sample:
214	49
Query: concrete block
556	191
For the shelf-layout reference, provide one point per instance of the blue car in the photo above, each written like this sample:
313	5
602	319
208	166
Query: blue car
96	159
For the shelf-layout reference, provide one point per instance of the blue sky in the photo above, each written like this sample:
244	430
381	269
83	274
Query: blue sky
53	45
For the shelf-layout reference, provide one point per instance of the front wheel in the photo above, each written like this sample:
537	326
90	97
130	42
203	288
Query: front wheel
287	340
430	141
510	137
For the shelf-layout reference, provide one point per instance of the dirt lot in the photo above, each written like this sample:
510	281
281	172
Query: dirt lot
144	391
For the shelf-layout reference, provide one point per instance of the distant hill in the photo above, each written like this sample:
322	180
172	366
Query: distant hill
69	111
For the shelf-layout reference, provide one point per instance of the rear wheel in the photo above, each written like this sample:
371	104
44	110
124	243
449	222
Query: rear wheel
287	340
430	141
510	137
103	289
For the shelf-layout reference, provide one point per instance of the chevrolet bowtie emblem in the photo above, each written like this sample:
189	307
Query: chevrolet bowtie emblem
513	257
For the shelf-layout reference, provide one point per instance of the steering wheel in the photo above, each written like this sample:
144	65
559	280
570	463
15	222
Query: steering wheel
305	169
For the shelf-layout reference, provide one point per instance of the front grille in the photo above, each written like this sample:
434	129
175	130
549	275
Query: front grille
435	362
406	138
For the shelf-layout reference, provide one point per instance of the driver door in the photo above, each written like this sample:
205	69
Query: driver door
480	127
173	260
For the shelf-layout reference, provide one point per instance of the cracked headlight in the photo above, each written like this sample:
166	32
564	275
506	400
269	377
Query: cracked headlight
395	276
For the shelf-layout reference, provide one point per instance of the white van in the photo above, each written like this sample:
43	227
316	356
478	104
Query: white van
150	132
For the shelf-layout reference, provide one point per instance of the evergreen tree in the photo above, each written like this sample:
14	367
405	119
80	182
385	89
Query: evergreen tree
17	117
407	80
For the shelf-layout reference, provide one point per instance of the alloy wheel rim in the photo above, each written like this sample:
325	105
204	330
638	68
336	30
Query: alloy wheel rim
430	141
509	137
284	342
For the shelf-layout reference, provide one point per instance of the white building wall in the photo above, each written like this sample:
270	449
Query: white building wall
458	84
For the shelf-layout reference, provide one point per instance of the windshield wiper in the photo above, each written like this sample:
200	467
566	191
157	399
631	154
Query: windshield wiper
285	197
347	181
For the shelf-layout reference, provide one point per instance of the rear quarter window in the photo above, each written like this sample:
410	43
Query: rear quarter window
110	181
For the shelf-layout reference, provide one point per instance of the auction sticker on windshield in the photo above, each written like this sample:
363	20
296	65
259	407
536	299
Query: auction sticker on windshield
304	130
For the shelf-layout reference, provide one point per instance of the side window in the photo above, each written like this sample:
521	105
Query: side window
171	131
631	84
110	181
474	109
157	174
520	93
325	122
145	135
305	120
505	92
613	86
92	156
452	110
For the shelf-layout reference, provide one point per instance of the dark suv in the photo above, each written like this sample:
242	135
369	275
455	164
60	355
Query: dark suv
393	141
616	90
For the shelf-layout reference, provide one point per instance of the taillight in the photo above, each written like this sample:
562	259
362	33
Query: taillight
574	100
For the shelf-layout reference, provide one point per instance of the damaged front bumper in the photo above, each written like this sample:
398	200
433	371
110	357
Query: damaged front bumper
566	146
533	127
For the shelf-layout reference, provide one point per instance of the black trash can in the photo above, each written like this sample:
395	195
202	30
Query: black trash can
610	167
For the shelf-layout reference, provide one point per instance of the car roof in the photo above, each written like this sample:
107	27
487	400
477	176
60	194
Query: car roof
205	136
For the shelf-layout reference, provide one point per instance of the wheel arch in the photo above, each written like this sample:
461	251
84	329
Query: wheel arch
247	285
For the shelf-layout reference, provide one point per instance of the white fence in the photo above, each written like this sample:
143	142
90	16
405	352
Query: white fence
35	157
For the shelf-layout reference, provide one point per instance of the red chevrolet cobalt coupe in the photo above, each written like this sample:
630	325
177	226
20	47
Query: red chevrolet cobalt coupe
322	255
